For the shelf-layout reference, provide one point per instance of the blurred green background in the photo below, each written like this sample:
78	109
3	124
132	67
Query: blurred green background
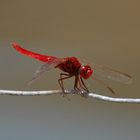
104	32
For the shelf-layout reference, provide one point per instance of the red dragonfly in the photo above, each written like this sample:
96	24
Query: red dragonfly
71	66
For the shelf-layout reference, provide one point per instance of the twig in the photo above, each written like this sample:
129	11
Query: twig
50	92
113	99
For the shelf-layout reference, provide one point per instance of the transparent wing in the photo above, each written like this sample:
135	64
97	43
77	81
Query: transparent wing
45	67
112	74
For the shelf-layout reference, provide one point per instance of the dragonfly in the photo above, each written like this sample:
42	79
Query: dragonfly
72	67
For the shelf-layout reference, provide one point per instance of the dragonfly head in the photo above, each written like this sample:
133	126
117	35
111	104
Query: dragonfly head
86	71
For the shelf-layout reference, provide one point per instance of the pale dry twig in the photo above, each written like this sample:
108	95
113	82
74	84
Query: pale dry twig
50	92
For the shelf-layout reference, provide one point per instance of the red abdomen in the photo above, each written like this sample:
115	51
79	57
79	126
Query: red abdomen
40	57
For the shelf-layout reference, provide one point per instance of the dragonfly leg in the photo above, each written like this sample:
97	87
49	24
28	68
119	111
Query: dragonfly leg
76	84
60	80
82	85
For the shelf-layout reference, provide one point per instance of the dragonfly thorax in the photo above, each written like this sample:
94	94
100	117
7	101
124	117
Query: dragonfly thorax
70	65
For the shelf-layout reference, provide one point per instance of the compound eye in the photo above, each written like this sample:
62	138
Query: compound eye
89	72
86	72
